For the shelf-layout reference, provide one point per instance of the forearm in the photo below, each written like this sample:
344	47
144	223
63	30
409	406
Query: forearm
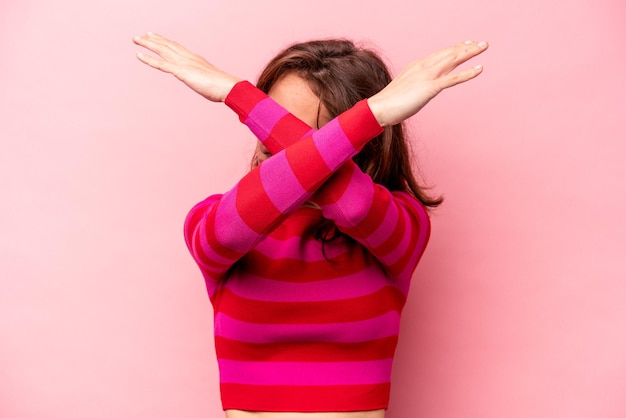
393	226
273	125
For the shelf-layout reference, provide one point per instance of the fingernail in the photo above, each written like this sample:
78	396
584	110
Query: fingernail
482	44
149	33
469	42
478	67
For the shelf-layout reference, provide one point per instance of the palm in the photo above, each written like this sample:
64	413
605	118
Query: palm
422	80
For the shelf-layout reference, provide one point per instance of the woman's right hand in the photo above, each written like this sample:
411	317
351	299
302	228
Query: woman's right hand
422	80
193	70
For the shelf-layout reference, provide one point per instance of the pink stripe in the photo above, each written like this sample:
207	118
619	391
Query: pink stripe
424	233
206	249
210	269
333	144
386	227
361	190
211	284
359	284
264	117
404	278
230	230
382	326
294	247
280	192
402	246
304	373
424	222
197	239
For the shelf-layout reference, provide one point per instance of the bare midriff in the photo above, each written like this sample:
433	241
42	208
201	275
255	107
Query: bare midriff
234	413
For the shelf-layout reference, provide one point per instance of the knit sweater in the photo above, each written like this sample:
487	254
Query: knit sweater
301	326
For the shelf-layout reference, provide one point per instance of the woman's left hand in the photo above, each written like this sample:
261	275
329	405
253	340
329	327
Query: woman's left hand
197	73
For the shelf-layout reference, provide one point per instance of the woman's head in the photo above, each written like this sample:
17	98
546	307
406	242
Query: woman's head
339	74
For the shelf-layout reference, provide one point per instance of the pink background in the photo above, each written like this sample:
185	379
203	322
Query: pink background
518	308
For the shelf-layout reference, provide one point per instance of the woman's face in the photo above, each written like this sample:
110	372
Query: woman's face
294	94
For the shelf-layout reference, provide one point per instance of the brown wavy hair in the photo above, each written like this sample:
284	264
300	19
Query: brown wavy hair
341	74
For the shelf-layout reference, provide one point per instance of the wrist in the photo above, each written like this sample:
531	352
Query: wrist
227	87
377	108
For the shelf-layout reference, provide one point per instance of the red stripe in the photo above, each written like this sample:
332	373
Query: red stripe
253	204
243	97
294	227
399	266
376	214
292	270
307	163
361	308
334	188
306	351
197	228
206	261
335	398
359	124
287	131
395	239
417	228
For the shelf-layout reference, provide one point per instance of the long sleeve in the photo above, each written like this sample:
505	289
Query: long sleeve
393	226
222	229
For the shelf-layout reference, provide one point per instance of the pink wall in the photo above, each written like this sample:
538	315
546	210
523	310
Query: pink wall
518	307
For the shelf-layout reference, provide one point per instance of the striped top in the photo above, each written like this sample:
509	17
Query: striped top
300	327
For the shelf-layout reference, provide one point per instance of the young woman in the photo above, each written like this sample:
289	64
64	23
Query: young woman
309	257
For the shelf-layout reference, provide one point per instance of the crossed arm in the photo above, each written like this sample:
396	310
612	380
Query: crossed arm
392	226
222	229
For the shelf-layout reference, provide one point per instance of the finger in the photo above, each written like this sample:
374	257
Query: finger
468	50
452	79
153	62
473	49
156	46
448	59
173	45
147	43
